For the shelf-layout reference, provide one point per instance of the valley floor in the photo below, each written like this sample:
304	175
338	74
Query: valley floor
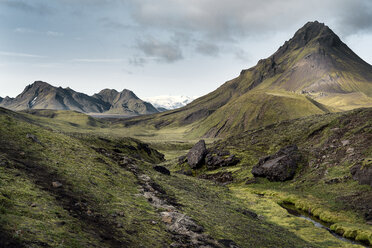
74	181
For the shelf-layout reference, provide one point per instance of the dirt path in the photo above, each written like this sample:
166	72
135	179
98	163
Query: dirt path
184	230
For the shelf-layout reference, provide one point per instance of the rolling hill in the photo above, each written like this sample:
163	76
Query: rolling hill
41	95
312	73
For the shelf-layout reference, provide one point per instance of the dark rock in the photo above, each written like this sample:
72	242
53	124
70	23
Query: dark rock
196	155
223	153
251	181
185	172
228	243
126	161
279	167
362	174
33	138
161	169
216	161
220	177
182	159
368	215
247	213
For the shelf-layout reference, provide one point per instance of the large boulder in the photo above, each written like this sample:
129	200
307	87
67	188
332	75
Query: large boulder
279	167
196	155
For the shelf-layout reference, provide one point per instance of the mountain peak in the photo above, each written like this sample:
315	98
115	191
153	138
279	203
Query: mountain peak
128	94
39	84
106	91
315	32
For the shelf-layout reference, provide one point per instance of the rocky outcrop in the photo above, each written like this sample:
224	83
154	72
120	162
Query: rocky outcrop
196	155
220	177
363	174
279	167
216	160
212	158
161	169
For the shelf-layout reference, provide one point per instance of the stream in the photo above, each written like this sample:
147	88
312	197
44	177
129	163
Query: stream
318	223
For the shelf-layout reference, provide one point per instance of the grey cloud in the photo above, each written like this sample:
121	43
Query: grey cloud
24	55
242	55
355	17
22	30
112	24
163	51
232	20
26	6
208	49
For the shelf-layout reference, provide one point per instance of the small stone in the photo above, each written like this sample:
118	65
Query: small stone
57	184
167	219
89	212
61	223
345	142
119	225
33	138
121	214
350	150
153	222
33	205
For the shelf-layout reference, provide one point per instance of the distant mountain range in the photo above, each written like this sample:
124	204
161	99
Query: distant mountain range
169	102
312	73
41	95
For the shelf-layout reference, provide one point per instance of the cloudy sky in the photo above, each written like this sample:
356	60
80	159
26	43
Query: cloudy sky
158	47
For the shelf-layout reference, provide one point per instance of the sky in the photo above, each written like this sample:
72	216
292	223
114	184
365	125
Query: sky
158	47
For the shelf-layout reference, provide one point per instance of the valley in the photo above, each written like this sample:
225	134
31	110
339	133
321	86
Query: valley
280	156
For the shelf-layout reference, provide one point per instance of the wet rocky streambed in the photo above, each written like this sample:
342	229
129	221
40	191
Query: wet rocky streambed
291	209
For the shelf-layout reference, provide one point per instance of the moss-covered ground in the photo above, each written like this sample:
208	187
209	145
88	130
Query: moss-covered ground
99	203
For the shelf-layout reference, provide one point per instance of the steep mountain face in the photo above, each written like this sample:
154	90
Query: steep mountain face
125	102
1	99
41	95
312	73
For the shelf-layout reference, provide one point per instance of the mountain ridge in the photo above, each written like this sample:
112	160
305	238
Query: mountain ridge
41	95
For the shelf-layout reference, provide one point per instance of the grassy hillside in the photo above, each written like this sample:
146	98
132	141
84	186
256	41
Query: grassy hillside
85	190
331	144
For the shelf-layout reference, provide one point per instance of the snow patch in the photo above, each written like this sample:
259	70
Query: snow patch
169	102
30	104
